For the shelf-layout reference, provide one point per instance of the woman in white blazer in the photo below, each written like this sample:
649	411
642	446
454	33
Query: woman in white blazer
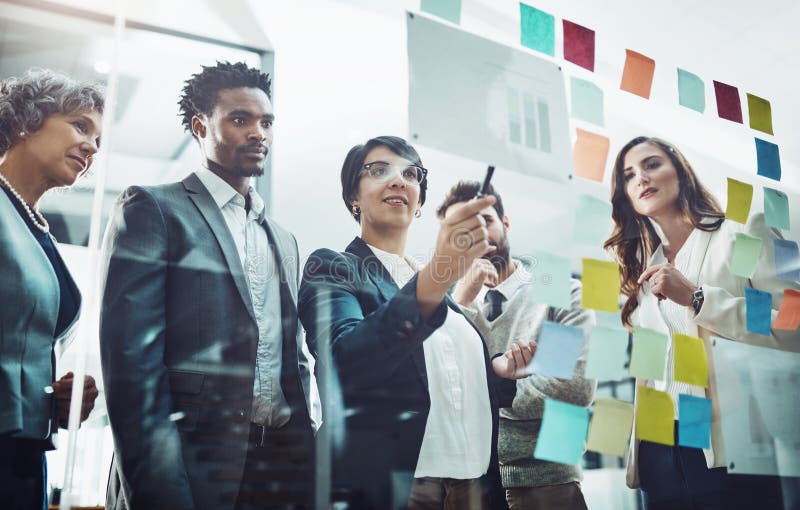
674	246
49	132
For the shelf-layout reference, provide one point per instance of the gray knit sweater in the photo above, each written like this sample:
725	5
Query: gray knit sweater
522	320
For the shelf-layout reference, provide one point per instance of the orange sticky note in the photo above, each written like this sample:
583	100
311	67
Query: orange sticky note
637	75
655	416
590	154
789	313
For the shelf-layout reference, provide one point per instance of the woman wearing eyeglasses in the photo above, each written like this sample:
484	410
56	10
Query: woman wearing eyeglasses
420	394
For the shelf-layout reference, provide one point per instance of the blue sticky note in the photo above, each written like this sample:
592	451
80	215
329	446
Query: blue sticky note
691	91
592	220
694	421
587	101
563	432
758	306
537	29
608	352
769	160
551	279
776	208
558	349
446	9
787	260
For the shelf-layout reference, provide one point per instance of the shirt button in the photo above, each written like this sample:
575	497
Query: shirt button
408	325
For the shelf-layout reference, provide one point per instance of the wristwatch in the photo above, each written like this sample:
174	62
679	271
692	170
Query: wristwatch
697	300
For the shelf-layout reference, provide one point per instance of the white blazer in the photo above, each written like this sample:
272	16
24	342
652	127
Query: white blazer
723	313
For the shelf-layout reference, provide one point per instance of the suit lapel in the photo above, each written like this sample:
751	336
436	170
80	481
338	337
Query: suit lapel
208	209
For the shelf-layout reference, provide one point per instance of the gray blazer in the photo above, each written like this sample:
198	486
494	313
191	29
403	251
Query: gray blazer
178	340
30	300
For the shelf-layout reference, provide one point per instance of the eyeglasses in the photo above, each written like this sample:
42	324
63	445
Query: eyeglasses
383	171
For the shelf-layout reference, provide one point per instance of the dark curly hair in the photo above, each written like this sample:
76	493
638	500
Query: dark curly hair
464	191
26	101
201	91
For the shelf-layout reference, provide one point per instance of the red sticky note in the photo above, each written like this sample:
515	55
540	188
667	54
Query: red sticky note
589	155
789	313
729	106
637	75
579	45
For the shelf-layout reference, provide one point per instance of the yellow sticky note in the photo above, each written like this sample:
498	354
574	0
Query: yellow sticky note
655	416
610	431
760	113
691	366
740	195
600	285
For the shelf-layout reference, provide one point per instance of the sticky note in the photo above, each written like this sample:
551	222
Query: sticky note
587	101
551	284
740	196
563	432
589	155
758	311
760	113
694	421
592	220
655	416
691	91
608	352
769	159
746	251
789	313
728	104
558	349
691	365
610	430
776	208
537	29
579	45
637	75
787	260
649	354
600	290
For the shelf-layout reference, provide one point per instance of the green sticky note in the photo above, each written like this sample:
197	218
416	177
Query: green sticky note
563	432
746	251
776	208
655	416
587	101
446	9
760	113
600	290
551	280
537	29
592	220
649	355
608	352
610	430
740	196
691	91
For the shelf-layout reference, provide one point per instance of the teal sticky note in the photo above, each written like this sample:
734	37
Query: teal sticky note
691	91
649	354
776	208
537	29
587	101
563	432
758	311
769	159
592	220
557	351
551	279
694	421
787	260
608	352
445	9
746	251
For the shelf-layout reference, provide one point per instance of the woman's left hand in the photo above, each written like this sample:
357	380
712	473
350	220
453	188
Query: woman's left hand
513	364
62	393
666	282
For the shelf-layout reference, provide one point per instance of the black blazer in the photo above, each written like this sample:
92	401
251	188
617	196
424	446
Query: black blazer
352	309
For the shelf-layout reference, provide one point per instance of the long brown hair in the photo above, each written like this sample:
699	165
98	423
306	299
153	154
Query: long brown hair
634	238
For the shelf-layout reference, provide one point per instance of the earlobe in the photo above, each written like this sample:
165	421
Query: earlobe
198	127
506	223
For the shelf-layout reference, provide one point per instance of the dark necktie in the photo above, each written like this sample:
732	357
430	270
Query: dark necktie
495	299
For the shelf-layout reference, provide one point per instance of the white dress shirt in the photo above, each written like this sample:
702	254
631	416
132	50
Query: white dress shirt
270	407
458	434
507	288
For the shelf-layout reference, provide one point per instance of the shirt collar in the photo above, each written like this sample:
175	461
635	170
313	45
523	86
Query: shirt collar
510	285
223	193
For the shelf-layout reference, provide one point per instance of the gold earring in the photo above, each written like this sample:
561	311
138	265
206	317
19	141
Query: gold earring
418	214
355	211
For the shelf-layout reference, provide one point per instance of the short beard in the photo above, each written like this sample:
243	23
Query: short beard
501	257
236	171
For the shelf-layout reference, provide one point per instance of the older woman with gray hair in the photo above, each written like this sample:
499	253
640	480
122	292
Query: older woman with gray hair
49	133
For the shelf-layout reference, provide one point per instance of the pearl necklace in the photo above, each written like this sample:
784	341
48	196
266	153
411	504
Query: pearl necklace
44	227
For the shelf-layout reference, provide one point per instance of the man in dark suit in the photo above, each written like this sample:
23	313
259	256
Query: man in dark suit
206	381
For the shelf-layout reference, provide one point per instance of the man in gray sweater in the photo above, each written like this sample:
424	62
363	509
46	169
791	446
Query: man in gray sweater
499	296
